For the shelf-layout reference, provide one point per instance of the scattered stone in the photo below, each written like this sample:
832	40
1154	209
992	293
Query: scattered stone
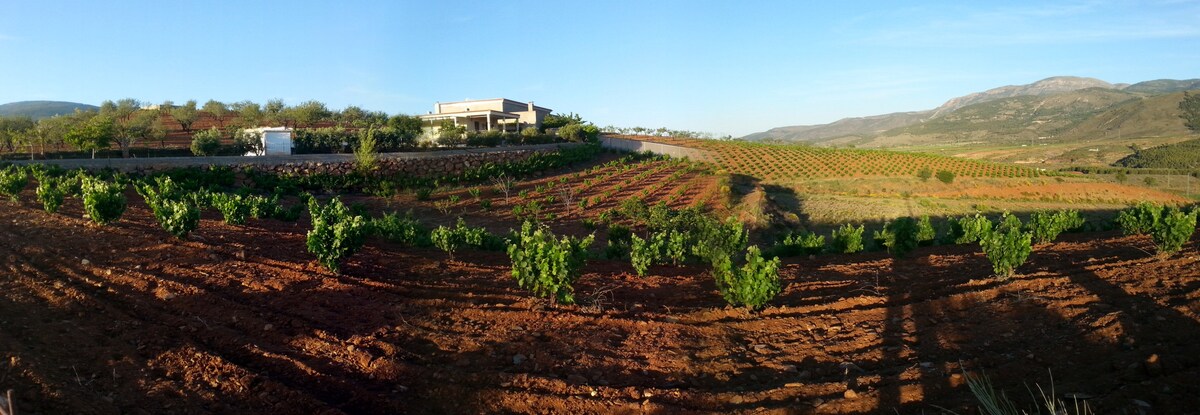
518	359
793	385
850	394
956	380
817	403
736	400
760	348
350	348
268	327
1153	365
647	394
789	368
85	261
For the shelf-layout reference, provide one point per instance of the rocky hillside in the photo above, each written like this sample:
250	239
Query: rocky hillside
1057	108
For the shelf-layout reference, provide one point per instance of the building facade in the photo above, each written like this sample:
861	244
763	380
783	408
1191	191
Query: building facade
500	114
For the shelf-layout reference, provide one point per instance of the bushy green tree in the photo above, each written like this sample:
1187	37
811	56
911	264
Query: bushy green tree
925	173
90	132
206	142
945	176
186	115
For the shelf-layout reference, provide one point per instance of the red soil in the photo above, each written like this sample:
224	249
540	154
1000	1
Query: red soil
240	319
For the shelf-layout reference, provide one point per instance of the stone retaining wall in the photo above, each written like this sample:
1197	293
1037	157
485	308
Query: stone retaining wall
625	144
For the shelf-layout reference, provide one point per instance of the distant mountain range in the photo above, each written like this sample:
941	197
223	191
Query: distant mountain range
43	109
1057	108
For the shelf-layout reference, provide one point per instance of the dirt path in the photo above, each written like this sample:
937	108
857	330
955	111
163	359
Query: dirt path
241	320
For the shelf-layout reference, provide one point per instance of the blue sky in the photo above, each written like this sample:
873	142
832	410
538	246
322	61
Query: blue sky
724	67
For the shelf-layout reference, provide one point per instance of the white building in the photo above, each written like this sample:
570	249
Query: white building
485	115
272	141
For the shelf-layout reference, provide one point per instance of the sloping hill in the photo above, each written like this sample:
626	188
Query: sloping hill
1164	86
1048	86
847	127
1185	155
43	109
1058	108
1011	119
1153	116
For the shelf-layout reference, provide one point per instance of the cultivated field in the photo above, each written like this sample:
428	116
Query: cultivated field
125	318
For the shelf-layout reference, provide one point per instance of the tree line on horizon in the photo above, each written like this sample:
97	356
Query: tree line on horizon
126	122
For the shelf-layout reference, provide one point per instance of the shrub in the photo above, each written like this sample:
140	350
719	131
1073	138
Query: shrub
336	234
1139	219
50	192
715	239
365	158
899	236
12	180
423	193
1046	226
571	132
971	228
450	239
1007	248
450	135
646	252
945	176
234	208
104	202
803	243
925	232
165	199
847	239
752	285
546	265
262	207
925	173
178	217
206	142
404	230
1172	230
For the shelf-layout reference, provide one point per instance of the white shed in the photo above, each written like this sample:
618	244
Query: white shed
274	141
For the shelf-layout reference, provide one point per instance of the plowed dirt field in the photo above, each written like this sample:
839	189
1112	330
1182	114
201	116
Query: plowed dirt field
241	319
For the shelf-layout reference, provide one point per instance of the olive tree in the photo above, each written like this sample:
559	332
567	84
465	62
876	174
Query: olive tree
185	115
217	110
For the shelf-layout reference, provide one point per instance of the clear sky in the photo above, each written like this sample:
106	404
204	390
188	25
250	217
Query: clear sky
727	67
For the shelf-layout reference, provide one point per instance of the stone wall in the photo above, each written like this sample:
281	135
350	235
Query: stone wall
625	144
